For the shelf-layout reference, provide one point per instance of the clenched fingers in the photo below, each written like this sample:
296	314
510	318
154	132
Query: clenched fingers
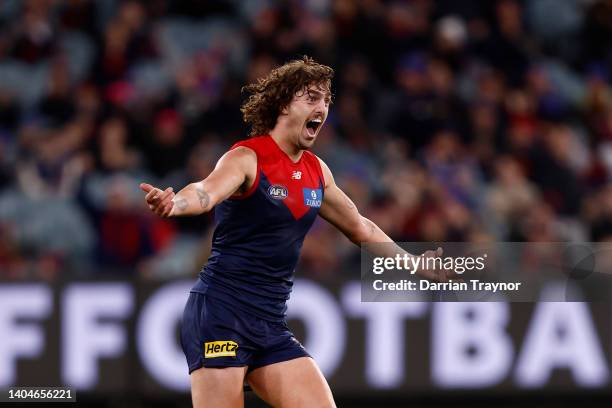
152	195
165	196
167	209
162	201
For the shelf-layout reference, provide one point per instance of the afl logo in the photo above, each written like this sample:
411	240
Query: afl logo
278	192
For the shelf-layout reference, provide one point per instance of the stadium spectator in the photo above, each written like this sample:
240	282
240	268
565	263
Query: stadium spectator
479	121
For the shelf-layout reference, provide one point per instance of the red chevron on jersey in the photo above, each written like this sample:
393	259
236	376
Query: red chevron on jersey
298	186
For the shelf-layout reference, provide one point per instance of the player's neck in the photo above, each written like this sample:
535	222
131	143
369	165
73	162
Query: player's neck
286	145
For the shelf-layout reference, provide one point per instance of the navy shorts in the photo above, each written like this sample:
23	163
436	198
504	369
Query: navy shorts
214	334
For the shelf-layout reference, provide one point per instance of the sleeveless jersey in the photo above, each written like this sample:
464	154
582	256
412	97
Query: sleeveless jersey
258	236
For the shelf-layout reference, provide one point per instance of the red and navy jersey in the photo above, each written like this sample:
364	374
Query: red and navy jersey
258	237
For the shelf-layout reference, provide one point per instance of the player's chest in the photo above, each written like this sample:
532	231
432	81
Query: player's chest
298	189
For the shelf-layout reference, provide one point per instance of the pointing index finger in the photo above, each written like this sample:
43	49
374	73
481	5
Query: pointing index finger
146	187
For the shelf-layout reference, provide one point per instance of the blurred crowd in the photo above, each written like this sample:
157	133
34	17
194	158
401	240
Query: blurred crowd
471	120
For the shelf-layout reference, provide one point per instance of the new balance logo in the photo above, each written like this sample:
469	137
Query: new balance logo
296	175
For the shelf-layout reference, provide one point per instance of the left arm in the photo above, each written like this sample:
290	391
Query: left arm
338	209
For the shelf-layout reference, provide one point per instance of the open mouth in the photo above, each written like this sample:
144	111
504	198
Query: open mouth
313	125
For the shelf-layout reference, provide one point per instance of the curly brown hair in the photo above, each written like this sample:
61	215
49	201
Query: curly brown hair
270	95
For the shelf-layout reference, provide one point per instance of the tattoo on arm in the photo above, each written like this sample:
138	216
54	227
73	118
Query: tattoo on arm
349	203
203	197
181	204
371	225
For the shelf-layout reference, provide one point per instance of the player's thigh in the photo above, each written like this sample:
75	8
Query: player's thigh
218	387
292	384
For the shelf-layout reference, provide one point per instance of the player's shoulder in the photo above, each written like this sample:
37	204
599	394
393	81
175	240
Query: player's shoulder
262	148
325	171
318	159
248	148
242	155
256	143
241	152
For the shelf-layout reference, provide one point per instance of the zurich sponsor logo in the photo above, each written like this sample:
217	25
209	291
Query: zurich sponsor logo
313	197
277	192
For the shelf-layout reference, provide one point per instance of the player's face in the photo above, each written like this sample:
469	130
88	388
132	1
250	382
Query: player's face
307	113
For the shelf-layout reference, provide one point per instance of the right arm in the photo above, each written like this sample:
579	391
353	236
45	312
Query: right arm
235	169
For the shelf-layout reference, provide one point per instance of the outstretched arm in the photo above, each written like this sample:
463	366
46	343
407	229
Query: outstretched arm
235	169
338	209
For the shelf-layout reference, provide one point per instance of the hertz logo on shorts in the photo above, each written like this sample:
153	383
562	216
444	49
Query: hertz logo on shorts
226	348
